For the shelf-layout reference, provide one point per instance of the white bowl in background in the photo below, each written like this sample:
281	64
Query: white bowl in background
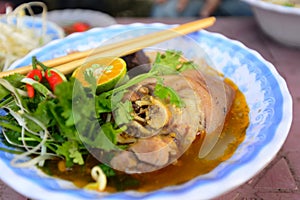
67	17
282	23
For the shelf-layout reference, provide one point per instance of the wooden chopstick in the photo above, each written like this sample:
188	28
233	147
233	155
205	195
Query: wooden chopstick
69	63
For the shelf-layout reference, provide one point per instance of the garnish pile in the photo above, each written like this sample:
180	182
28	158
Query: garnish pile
41	123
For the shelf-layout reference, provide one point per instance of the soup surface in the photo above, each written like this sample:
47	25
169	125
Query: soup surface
187	167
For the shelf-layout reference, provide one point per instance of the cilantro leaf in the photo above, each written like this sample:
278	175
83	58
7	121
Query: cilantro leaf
103	103
15	80
76	155
41	113
69	150
122	114
167	93
171	62
64	96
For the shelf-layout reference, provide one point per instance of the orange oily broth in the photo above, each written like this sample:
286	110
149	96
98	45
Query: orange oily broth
186	168
189	165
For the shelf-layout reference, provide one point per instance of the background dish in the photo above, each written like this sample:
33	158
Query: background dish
67	17
265	91
25	28
53	31
281	23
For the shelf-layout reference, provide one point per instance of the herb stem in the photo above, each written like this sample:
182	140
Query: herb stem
10	126
10	151
132	82
18	129
6	101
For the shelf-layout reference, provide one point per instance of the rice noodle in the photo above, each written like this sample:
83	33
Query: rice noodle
100	178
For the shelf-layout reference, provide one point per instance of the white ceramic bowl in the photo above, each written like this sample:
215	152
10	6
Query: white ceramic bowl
281	23
265	90
67	17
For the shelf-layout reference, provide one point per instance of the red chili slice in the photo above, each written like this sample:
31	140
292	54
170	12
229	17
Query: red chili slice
81	26
54	77
34	74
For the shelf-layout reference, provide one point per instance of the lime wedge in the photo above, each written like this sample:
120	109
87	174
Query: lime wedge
107	71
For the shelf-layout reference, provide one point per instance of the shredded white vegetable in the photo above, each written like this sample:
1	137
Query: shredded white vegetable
22	160
12	89
16	39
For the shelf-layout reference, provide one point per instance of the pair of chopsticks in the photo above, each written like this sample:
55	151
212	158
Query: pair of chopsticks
67	64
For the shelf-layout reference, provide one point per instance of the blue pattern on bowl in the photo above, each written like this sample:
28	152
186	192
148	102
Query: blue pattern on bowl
266	93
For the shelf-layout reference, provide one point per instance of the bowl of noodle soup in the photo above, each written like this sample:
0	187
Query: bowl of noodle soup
265	91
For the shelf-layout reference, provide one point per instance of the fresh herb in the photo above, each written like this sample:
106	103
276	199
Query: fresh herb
36	75
109	172
171	62
167	93
69	150
124	182
14	80
72	118
289	4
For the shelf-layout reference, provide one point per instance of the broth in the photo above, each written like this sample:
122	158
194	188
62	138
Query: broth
186	168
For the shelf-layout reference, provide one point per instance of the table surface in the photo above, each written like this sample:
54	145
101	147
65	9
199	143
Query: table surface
281	178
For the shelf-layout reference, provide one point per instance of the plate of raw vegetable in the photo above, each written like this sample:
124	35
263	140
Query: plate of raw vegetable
22	33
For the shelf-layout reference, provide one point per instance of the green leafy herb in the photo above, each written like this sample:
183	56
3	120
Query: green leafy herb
15	80
69	150
104	137
171	62
289	4
167	93
75	115
122	114
124	182
109	172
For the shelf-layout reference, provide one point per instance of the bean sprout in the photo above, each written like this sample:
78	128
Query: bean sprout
16	40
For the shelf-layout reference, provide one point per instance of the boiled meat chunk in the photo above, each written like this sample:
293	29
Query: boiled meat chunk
207	100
